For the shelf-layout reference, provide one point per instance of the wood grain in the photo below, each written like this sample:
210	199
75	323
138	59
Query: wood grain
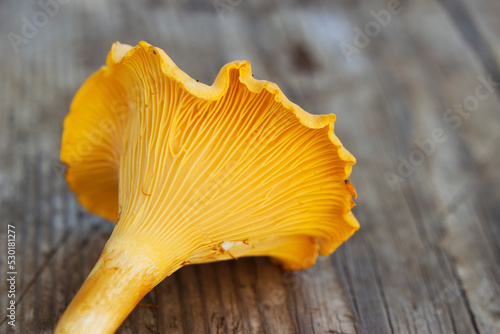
426	259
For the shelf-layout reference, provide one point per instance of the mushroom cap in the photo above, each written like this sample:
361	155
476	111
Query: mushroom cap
214	172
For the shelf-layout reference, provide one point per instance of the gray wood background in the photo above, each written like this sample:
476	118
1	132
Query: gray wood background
426	259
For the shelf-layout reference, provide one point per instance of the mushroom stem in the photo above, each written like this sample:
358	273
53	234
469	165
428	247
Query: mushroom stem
119	280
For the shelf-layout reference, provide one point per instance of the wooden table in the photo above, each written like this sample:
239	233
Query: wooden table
416	94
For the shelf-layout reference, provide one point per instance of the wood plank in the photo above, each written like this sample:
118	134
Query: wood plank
426	259
390	92
478	23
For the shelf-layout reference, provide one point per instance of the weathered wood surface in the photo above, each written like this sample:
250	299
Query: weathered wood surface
426	259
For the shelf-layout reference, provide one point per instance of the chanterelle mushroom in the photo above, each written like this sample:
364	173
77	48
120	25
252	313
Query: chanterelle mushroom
194	173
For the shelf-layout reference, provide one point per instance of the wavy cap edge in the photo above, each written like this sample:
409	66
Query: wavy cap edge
218	89
121	52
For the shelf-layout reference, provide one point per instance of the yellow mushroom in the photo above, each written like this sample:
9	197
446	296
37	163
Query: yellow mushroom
194	173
